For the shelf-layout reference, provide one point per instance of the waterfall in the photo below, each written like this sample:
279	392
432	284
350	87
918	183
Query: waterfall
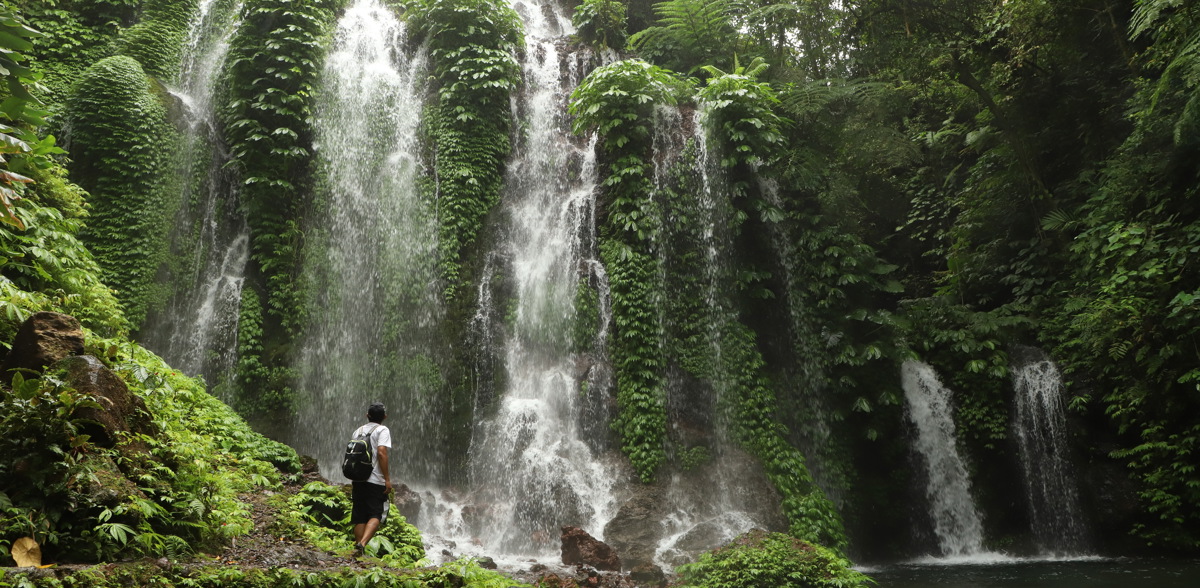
721	491
196	330
956	521
531	461
372	256
1039	425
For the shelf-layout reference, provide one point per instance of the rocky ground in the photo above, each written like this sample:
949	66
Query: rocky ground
262	549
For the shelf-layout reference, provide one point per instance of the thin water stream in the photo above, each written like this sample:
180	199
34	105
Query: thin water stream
196	329
1040	428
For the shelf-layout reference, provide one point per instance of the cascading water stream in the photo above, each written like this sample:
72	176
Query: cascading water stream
1039	425
812	427
956	521
197	330
530	459
725	494
372	261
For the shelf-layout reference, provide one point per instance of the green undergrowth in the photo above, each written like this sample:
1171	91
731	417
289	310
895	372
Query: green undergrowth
464	573
169	487
320	514
759	559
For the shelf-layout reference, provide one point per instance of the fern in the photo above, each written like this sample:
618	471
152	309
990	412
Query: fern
690	33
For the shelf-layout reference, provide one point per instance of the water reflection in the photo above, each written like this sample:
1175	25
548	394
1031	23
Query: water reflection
1089	572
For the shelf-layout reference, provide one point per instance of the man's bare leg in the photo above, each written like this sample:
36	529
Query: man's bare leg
364	531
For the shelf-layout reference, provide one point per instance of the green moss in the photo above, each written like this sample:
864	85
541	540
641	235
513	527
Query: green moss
122	147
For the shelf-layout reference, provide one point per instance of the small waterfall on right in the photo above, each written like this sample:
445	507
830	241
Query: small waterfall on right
1039	425
956	519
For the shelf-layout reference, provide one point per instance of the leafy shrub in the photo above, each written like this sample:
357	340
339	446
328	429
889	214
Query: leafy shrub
473	46
270	82
156	41
759	559
601	23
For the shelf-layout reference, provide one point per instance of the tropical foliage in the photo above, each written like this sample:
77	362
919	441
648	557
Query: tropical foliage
770	559
860	183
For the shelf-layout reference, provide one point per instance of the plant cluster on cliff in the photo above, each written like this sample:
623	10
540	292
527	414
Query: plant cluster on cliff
473	46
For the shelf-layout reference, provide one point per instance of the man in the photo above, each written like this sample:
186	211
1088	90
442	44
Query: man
371	496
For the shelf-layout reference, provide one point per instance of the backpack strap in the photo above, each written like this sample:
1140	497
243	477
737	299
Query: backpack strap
371	444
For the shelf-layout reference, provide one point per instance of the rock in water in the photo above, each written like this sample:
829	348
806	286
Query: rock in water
636	530
408	502
580	548
44	338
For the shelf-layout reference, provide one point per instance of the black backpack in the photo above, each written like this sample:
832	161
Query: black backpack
360	457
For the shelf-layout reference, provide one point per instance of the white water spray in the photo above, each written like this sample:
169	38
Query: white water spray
956	521
373	257
1040	428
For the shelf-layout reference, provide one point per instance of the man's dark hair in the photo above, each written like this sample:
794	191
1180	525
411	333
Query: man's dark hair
376	412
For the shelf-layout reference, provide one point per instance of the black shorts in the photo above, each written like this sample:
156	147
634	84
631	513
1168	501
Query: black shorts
368	502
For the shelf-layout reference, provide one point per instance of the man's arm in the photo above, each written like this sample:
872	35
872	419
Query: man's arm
383	467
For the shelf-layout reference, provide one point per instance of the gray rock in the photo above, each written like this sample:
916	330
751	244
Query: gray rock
636	529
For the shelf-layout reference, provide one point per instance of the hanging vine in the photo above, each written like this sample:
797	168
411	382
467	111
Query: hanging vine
616	101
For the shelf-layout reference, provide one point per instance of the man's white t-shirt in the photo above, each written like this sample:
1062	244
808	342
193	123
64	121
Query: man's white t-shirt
380	437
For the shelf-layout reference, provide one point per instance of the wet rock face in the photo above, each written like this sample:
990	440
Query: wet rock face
408	502
637	528
120	411
580	548
648	574
44	338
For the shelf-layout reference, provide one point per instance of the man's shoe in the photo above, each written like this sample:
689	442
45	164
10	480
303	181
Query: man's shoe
358	550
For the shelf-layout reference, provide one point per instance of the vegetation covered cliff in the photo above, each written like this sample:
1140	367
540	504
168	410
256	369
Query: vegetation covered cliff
866	183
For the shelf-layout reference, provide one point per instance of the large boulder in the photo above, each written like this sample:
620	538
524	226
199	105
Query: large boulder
580	548
637	528
120	414
44	338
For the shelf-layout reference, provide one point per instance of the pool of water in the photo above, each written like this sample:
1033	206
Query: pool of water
1004	572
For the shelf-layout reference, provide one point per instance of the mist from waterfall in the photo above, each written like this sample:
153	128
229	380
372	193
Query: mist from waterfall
372	258
196	331
956	520
1039	425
